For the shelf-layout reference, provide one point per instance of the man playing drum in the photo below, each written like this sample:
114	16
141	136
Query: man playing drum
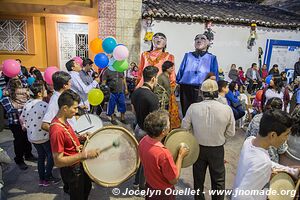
255	166
66	148
160	170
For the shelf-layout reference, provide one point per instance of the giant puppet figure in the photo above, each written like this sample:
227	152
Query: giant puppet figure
156	56
194	69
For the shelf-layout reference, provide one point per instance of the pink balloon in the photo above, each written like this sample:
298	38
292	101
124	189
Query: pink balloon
120	52
48	74
11	68
78	60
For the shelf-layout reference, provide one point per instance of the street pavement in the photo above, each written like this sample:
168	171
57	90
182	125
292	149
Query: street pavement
23	185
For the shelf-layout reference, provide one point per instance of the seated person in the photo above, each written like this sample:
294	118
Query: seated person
159	168
234	102
255	166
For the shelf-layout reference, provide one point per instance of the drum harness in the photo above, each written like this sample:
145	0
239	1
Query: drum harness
76	167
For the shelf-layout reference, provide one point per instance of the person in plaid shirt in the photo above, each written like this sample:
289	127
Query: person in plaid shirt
13	105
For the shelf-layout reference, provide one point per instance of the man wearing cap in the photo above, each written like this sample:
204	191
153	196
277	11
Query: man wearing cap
211	122
193	70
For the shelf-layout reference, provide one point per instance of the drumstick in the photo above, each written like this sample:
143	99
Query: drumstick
115	144
85	112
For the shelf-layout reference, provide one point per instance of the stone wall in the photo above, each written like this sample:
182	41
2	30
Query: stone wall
121	19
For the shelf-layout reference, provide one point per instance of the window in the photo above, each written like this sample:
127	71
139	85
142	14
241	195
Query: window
13	35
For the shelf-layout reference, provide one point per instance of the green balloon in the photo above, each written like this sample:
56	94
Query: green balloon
120	65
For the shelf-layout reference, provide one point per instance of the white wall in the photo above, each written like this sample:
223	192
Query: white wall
230	43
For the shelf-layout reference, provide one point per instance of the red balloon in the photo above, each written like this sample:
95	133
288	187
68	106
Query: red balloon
259	95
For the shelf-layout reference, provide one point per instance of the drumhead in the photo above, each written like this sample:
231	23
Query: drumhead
279	182
117	164
83	125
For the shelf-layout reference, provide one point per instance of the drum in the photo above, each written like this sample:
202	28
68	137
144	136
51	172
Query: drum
282	181
88	123
115	164
178	137
293	151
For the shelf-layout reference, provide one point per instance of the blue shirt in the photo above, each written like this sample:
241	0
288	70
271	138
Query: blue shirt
194	69
232	98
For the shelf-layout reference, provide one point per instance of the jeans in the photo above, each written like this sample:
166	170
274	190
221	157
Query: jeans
44	150
116	99
22	146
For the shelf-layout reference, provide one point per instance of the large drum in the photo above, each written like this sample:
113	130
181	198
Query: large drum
116	163
88	123
282	181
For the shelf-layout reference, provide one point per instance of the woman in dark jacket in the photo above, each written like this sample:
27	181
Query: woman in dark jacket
274	71
233	73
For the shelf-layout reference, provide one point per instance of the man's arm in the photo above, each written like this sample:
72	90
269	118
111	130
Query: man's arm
230	129
187	120
63	161
45	126
181	154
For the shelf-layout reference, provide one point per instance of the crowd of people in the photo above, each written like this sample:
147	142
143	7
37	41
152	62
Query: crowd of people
45	115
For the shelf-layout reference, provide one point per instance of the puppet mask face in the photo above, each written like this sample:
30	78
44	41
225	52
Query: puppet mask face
201	42
159	42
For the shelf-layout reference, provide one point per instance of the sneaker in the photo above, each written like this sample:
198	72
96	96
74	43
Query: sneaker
46	183
114	122
22	166
54	180
41	182
135	186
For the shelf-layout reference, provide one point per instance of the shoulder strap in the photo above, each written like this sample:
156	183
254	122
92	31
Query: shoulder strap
69	134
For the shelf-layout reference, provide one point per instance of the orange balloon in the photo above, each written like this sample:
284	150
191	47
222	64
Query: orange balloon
259	95
96	45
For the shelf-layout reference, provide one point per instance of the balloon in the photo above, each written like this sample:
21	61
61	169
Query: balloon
11	68
30	80
109	44
110	64
121	52
268	79
48	74
96	45
95	97
101	60
259	95
1	93
78	60
120	66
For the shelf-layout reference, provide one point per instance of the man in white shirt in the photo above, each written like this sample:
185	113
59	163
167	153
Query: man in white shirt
77	85
255	166
61	82
211	121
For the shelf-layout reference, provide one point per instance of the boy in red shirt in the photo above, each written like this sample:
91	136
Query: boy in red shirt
159	168
66	149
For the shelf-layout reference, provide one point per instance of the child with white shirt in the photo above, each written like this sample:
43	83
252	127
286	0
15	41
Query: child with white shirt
31	118
255	167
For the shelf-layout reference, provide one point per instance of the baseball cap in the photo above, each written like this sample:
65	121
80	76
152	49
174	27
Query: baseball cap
209	86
